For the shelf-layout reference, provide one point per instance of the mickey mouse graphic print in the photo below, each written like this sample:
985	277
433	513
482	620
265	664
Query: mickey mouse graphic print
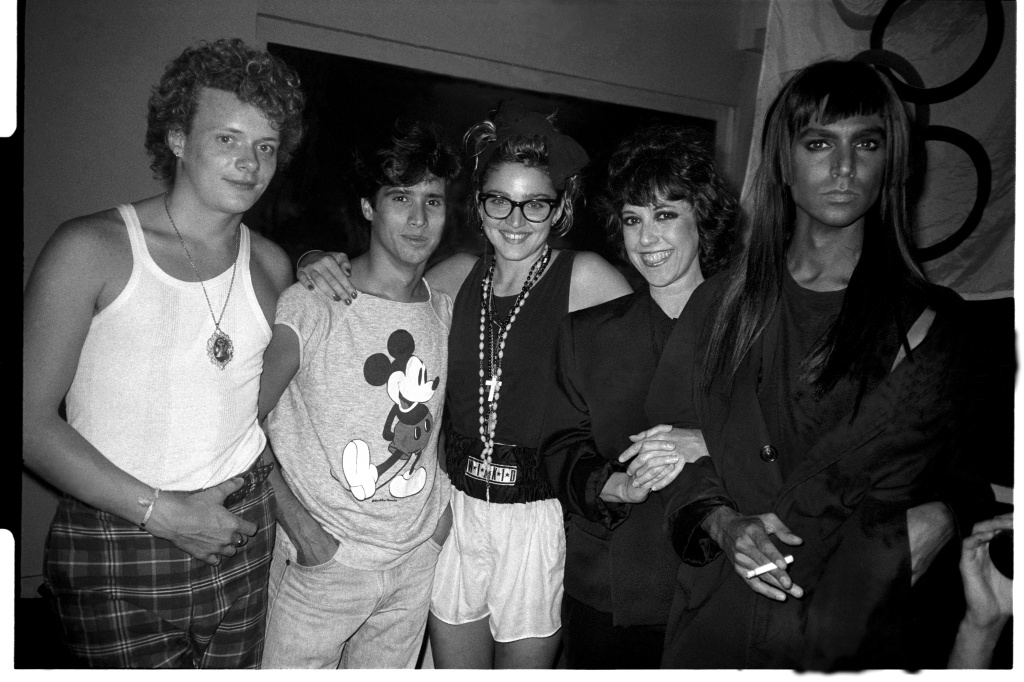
356	431
407	427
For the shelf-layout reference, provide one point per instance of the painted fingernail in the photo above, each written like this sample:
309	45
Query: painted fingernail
337	298
354	294
348	301
310	287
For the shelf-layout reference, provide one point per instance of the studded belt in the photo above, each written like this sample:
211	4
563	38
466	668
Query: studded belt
516	473
253	477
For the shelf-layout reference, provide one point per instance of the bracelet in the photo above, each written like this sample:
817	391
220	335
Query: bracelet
303	256
149	508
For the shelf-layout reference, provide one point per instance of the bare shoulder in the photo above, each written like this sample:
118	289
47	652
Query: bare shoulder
94	247
95	231
271	261
594	281
448	275
82	268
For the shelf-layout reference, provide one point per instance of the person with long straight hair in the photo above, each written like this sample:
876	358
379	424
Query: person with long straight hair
498	586
822	370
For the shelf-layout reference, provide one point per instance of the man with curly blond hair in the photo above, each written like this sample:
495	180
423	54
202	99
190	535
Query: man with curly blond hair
152	318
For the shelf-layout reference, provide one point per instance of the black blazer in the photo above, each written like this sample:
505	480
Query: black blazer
847	500
618	558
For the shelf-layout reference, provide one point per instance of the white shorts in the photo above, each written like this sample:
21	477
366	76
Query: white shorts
505	561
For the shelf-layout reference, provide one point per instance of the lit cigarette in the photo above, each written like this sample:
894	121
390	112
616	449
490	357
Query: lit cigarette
754	572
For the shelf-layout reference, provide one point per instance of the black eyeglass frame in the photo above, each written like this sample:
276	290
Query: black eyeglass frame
482	197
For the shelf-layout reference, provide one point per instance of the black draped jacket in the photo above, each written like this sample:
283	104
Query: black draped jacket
847	500
618	559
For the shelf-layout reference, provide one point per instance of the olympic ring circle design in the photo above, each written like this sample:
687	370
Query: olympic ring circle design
858	22
895	62
983	171
964	82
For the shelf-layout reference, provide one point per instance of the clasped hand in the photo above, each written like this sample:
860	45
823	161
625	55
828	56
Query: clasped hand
659	454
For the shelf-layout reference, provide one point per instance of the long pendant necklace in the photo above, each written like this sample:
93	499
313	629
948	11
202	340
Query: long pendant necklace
491	357
218	347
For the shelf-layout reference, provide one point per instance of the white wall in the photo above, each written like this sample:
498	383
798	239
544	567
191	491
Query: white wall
89	68
684	56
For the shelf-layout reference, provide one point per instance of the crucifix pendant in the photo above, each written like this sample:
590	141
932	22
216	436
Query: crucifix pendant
494	383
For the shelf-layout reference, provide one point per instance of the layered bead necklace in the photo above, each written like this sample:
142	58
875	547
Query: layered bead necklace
492	352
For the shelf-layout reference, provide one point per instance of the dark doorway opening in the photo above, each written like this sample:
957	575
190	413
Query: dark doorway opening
309	204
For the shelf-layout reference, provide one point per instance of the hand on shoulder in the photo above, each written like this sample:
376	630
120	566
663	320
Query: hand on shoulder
302	309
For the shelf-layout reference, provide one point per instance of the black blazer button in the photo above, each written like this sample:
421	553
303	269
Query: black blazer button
769	453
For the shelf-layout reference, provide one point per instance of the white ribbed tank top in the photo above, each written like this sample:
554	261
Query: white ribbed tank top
145	393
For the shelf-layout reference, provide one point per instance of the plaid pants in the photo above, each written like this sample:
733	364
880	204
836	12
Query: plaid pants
127	599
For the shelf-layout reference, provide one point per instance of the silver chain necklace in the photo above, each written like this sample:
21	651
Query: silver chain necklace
219	347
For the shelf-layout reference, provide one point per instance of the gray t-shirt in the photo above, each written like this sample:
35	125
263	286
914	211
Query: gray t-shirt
356	430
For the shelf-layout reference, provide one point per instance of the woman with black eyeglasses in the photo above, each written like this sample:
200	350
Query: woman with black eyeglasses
498	585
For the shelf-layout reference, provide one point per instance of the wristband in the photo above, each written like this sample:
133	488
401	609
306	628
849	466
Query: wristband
303	256
149	507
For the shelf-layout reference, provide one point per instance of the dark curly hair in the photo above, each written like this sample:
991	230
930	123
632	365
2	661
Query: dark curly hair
254	76
411	153
674	163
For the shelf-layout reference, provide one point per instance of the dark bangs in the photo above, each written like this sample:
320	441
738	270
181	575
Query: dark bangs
837	91
411	153
672	163
647	182
828	92
418	167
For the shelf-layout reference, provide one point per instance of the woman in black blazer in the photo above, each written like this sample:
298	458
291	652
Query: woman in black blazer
669	209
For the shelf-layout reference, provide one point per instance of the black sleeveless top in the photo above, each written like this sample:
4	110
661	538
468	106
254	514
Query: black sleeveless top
527	378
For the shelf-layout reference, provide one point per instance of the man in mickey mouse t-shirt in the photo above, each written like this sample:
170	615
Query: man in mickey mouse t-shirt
362	502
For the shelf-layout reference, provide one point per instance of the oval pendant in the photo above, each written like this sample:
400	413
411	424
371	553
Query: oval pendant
220	349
